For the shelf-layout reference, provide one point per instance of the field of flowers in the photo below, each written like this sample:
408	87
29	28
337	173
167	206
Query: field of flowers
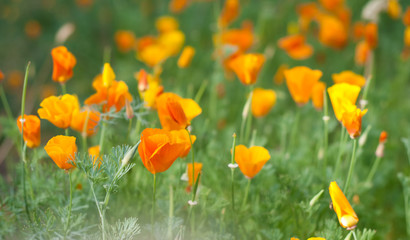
205	119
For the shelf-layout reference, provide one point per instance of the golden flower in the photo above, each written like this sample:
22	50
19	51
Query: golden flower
181	136
307	12
166	24
331	5
177	6
175	112
352	120
300	81
280	74
370	34
342	95
94	152
349	77
153	54
186	57
85	120
31	128
229	13
172	41
62	150
125	40
262	101
345	213
332	32
316	238
144	42
362	53
318	95
241	38
296	47
108	75
59	110
394	9
159	149
252	160
151	94
407	36
406	17
63	64
247	67
112	96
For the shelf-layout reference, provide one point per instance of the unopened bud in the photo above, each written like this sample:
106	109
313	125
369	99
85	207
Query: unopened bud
383	137
380	150
316	198
128	110
129	154
142	78
363	137
64	32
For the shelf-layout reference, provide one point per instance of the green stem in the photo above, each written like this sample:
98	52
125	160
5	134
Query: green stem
232	172
248	127
351	168
154	188
66	132
373	170
201	91
63	88
354	235
171	212
98	208
69	207
246	193
102	135
342	143
6	103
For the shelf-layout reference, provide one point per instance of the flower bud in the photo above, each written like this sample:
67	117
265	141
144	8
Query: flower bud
129	155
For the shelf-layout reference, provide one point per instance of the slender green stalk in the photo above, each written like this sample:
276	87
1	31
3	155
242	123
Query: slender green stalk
5	103
193	163
248	127
245	117
246	193
69	207
98	208
233	171
22	143
66	132
373	169
171	212
351	168
154	188
325	130
201	91
63	88
84	131
102	135
342	143
354	235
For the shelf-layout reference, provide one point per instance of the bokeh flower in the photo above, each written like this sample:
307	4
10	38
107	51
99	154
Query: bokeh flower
262	101
296	47
94	152
251	160
85	121
59	110
229	13
177	6
31	130
345	213
332	32
280	74
300	81
61	150
186	57
318	92
349	77
362	53
166	24
342	96
247	67
125	40
197	170
63	64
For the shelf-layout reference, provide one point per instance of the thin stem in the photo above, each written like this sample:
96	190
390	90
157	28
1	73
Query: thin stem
201	91
354	235
342	143
351	168
171	212
24	183
373	169
248	127
66	132
232	172
69	207
5	103
154	187
102	135
245	119
246	193
98	208
63	88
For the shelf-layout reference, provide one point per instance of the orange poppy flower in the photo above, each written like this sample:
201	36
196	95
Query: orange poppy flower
358	30
362	53
344	14
262	101
383	137
247	67
331	5
229	13
342	95
296	47
1	76
172	41
62	150
31	127
300	81
151	94
144	42
177	6
241	38
350	78
332	32
112	96
407	37
63	64
280	74
94	152
153	54
175	112
252	160
307	12
186	57
318	95
394	9
352	120
166	24
142	78
59	110
344	211
181	136
370	34
406	17
159	149
197	170
125	40
79	119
